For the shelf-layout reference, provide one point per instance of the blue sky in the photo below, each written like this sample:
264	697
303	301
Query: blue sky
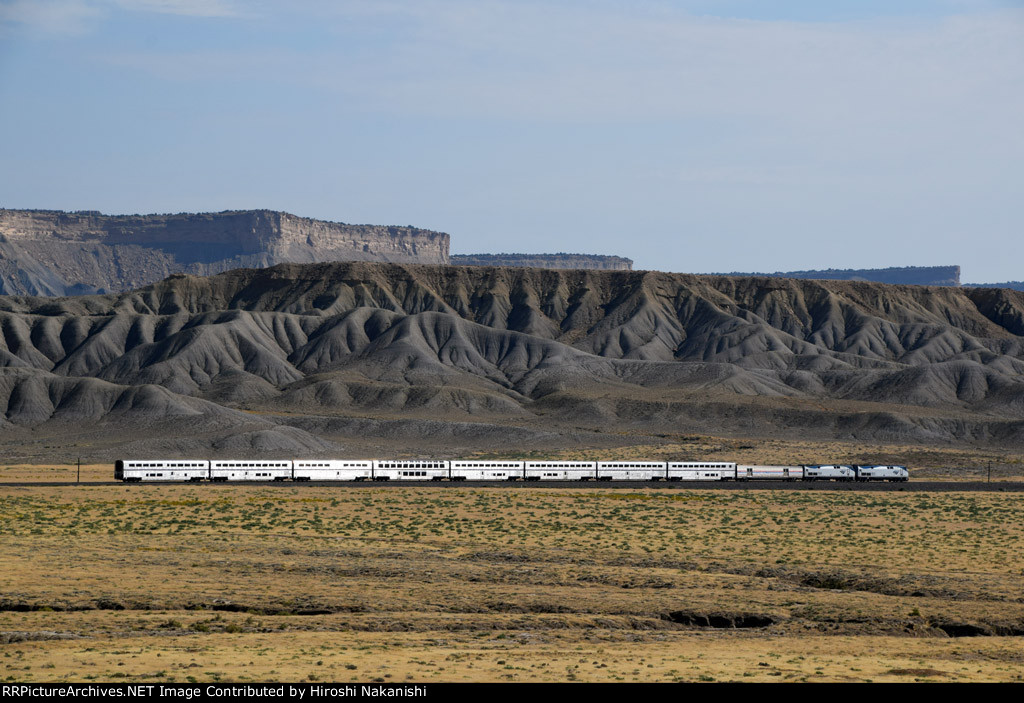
700	136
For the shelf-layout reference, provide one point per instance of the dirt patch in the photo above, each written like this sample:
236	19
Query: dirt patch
718	620
983	629
12	637
917	672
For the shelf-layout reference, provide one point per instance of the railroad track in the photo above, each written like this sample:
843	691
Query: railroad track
874	487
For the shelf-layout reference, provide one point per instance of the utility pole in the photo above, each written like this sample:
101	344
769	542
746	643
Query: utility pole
79	478
990	471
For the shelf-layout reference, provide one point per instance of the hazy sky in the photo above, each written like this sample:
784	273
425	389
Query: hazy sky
699	136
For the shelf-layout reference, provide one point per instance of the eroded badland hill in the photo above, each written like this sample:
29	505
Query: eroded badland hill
354	357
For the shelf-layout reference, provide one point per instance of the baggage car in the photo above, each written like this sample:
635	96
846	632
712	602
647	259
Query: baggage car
762	472
701	471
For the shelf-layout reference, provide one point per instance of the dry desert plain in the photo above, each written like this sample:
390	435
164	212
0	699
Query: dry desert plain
441	583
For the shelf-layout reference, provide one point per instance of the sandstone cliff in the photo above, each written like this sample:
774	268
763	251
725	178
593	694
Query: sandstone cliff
60	253
905	275
594	262
1013	285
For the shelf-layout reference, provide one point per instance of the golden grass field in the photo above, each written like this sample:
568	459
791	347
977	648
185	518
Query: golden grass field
440	583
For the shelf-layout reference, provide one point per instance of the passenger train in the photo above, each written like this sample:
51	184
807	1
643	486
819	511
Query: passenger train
135	470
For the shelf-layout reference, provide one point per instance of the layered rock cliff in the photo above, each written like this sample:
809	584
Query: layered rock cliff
61	253
900	275
1013	285
593	262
